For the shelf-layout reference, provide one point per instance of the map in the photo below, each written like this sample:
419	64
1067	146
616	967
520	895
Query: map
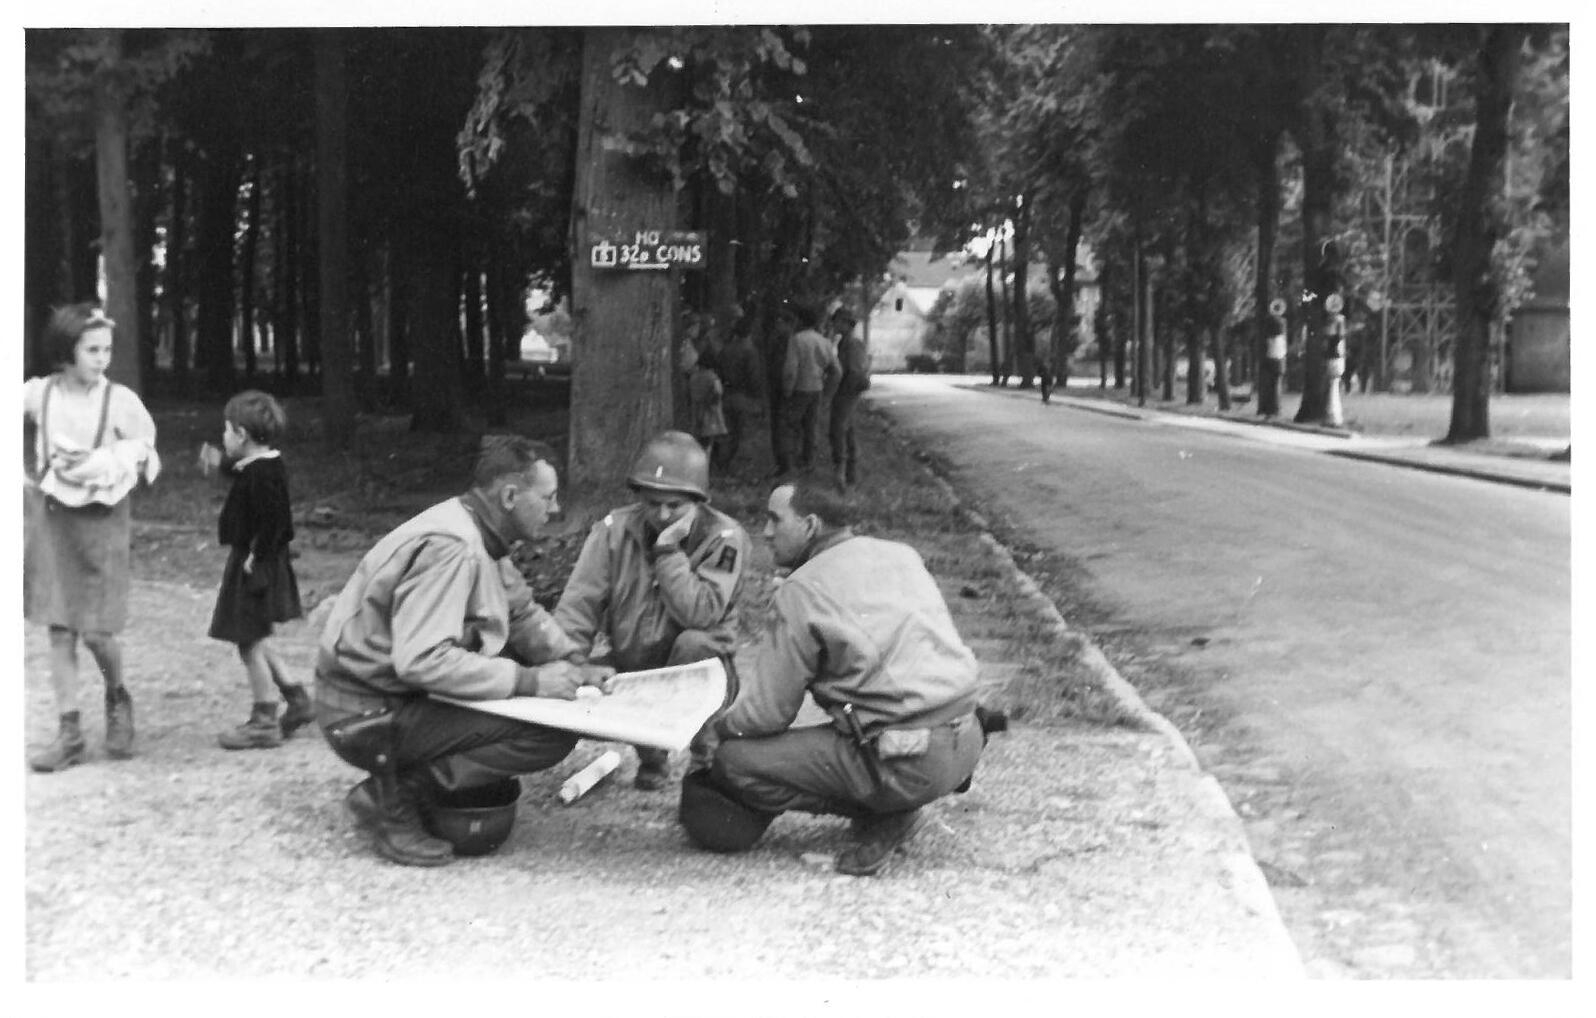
662	708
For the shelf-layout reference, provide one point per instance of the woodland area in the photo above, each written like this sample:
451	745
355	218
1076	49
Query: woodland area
360	213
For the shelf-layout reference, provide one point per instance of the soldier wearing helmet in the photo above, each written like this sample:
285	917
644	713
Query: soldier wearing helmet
658	580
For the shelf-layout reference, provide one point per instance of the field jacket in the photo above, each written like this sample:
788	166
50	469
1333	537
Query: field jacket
641	598
860	622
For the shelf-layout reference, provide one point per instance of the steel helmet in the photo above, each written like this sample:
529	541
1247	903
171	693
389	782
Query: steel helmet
475	821
672	461
716	821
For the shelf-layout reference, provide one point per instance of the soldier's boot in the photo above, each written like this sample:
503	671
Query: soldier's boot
400	835
653	769
118	723
878	837
67	749
299	712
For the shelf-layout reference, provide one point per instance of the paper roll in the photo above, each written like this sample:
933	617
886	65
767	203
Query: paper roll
582	782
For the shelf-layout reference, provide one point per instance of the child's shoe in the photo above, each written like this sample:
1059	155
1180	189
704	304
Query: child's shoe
118	723
67	749
299	712
261	731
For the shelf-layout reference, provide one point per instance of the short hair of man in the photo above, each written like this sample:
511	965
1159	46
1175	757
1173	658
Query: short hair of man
508	456
258	414
826	505
803	314
66	326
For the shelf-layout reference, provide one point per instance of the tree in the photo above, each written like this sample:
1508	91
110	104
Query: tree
332	219
1481	224
622	347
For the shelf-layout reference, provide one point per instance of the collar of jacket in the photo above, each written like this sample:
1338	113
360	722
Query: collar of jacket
824	542
487	522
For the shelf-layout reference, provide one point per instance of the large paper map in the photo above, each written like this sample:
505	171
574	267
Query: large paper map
662	708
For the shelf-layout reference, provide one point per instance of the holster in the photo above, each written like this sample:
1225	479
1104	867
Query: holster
867	746
366	740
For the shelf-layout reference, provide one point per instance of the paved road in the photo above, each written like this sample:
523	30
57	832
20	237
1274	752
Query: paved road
1389	652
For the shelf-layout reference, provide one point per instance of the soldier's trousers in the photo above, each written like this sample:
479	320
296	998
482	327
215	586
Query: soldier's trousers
454	748
819	770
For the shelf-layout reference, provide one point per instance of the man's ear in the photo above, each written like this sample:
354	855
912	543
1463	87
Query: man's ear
507	495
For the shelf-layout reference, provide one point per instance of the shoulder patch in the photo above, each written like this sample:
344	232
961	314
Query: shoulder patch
727	562
609	519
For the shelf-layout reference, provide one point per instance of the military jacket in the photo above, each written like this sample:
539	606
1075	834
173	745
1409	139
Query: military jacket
642	598
861	622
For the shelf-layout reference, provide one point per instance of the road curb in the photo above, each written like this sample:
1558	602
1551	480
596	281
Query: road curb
1497	477
1241	875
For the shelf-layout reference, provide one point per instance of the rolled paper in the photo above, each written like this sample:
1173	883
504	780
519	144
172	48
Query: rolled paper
582	782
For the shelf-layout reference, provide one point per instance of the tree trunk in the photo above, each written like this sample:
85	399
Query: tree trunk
287	264
1268	206
365	325
116	207
991	315
1006	320
1480	224
1064	320
216	284
1317	142
505	326
246	270
146	209
475	329
176	282
332	224
622	319
432	302
1024	341
399	324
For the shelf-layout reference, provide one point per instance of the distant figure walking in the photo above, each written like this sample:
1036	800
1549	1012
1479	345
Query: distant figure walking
704	396
1335	357
811	363
854	360
743	389
1273	368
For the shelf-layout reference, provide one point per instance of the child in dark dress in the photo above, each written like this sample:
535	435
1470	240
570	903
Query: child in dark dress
258	584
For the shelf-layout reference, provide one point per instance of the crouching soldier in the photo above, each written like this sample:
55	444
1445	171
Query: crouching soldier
658	580
862	626
436	607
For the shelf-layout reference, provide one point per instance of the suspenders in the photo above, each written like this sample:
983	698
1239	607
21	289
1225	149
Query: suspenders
42	444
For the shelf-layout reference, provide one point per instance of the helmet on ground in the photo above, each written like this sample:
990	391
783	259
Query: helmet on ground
475	821
716	821
672	461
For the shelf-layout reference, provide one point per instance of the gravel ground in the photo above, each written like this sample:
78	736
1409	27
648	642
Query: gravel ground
1086	848
1080	851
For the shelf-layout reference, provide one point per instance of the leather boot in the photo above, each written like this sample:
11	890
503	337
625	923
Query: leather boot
67	749
299	712
400	835
653	769
876	838
118	723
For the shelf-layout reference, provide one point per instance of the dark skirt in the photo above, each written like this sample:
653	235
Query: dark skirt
76	564
248	606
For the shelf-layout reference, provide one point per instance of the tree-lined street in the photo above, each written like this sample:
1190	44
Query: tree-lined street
1384	653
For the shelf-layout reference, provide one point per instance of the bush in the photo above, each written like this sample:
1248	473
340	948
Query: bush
921	363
